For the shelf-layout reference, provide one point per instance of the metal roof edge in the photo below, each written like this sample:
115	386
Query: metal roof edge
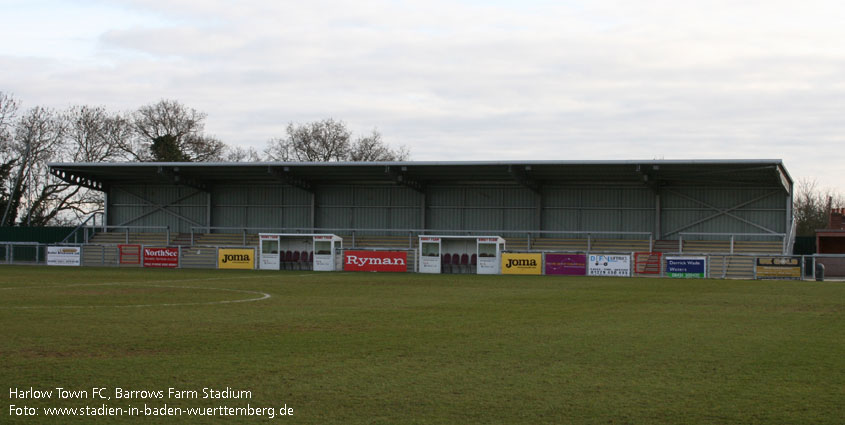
778	162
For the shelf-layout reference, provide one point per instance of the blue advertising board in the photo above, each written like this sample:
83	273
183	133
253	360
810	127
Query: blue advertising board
686	267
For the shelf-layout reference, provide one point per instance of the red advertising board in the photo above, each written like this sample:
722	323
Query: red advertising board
161	257
375	261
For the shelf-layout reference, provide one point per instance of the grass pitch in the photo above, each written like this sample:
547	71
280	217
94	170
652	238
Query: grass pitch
409	348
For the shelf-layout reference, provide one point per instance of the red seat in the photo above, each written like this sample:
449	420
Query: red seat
287	261
464	263
456	263
445	262
303	261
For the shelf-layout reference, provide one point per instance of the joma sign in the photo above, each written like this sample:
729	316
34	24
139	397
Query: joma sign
375	261
161	257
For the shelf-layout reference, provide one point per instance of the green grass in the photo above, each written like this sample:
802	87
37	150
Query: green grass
408	348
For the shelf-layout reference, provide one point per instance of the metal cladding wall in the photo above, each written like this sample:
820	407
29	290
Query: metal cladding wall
480	208
598	208
722	210
663	200
271	206
178	207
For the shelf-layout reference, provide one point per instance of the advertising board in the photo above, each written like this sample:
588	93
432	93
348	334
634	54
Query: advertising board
567	264
778	268
63	256
514	263
686	267
609	265
161	257
375	261
236	259
647	262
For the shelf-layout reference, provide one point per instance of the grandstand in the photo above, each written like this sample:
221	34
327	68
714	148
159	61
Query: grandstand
719	207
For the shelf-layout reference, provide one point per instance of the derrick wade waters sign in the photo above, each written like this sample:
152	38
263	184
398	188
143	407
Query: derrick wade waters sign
686	267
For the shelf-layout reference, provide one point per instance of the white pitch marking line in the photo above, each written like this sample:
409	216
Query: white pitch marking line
263	296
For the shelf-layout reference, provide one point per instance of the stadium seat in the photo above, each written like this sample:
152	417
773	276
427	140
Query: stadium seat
456	263
473	264
303	261
294	261
287	260
464	263
445	263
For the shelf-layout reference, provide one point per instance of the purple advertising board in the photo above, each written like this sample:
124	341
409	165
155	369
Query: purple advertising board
569	264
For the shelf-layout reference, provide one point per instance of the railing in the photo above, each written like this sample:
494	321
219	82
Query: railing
85	228
789	240
353	232
126	230
731	237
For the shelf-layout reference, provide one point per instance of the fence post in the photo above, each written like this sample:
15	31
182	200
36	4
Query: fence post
126	230
814	267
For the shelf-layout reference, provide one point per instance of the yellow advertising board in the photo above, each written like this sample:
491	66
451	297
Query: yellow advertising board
778	268
513	263
236	259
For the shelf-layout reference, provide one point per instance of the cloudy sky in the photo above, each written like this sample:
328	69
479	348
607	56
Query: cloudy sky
461	80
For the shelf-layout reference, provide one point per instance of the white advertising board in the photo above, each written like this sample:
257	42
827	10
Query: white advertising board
63	256
608	265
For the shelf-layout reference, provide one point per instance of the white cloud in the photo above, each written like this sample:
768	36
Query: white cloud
467	80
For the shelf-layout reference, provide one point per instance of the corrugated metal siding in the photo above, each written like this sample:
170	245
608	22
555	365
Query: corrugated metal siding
444	218
519	219
559	220
156	205
335	217
561	196
405	218
454	207
681	207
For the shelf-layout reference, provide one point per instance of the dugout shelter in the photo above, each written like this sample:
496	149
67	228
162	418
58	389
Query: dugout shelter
461	254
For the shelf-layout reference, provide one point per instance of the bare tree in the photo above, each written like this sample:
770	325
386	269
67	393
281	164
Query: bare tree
171	120
38	135
810	206
8	114
329	140
371	148
239	154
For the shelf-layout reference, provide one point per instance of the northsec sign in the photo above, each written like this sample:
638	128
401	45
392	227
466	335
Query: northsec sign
161	257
